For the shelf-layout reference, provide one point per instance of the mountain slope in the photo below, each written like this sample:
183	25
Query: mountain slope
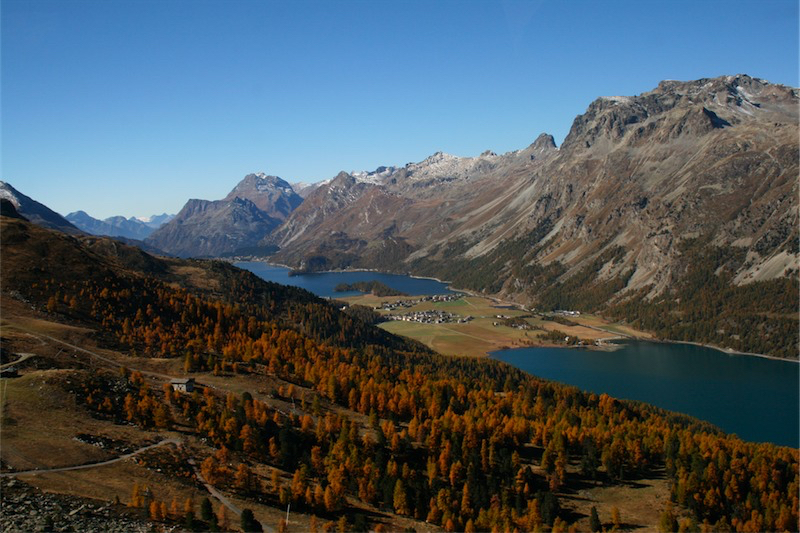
207	229
640	190
256	206
35	212
716	158
381	217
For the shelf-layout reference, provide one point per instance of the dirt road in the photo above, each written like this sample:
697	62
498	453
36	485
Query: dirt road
90	465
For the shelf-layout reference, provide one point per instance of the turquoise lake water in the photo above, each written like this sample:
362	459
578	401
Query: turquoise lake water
754	397
322	283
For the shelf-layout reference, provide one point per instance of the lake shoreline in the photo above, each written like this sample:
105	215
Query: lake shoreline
522	307
608	346
753	397
728	351
341	270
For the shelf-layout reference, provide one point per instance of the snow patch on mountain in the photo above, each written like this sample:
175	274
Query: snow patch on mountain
7	194
376	177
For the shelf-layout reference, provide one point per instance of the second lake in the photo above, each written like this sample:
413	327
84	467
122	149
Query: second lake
754	397
322	283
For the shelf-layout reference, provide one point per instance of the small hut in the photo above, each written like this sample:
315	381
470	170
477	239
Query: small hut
182	385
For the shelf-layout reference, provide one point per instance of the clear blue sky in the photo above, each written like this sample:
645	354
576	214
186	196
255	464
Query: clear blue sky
132	107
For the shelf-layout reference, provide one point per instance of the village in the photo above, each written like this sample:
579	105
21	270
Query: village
436	298
430	317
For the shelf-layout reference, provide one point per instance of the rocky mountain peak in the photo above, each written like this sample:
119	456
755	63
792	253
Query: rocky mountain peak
271	194
693	107
437	157
544	142
260	183
342	178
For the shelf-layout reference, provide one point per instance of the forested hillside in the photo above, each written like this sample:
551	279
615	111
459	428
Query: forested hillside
378	424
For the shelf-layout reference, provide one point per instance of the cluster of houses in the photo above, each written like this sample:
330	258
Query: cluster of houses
431	317
563	312
392	306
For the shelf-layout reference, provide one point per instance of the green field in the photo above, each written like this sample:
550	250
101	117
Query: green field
485	332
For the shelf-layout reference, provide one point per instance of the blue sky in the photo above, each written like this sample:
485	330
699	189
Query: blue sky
132	107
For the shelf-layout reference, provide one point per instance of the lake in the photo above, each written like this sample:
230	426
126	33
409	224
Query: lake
322	283
754	397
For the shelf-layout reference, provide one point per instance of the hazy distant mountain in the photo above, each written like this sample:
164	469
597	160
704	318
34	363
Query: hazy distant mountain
305	189
118	226
715	159
156	221
34	211
256	206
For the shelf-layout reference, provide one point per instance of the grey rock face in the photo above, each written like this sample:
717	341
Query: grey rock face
25	508
253	209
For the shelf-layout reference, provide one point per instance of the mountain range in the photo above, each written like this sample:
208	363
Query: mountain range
635	178
650	201
106	350
118	226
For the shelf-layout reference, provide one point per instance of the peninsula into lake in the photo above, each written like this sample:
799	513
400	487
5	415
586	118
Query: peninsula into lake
374	287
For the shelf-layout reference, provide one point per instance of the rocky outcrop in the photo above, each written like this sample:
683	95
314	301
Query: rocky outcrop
26	508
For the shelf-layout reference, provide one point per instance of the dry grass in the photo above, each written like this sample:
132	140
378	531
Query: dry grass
640	504
40	420
196	276
624	329
475	339
117	480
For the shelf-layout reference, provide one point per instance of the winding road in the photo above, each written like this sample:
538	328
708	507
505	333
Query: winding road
210	488
23	356
90	465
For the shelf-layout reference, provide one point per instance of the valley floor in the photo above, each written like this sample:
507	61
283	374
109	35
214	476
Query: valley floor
479	325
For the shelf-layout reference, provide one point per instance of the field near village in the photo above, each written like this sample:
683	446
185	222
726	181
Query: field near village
487	330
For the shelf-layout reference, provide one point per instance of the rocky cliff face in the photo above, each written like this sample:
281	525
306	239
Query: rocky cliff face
271	194
255	207
209	229
715	159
